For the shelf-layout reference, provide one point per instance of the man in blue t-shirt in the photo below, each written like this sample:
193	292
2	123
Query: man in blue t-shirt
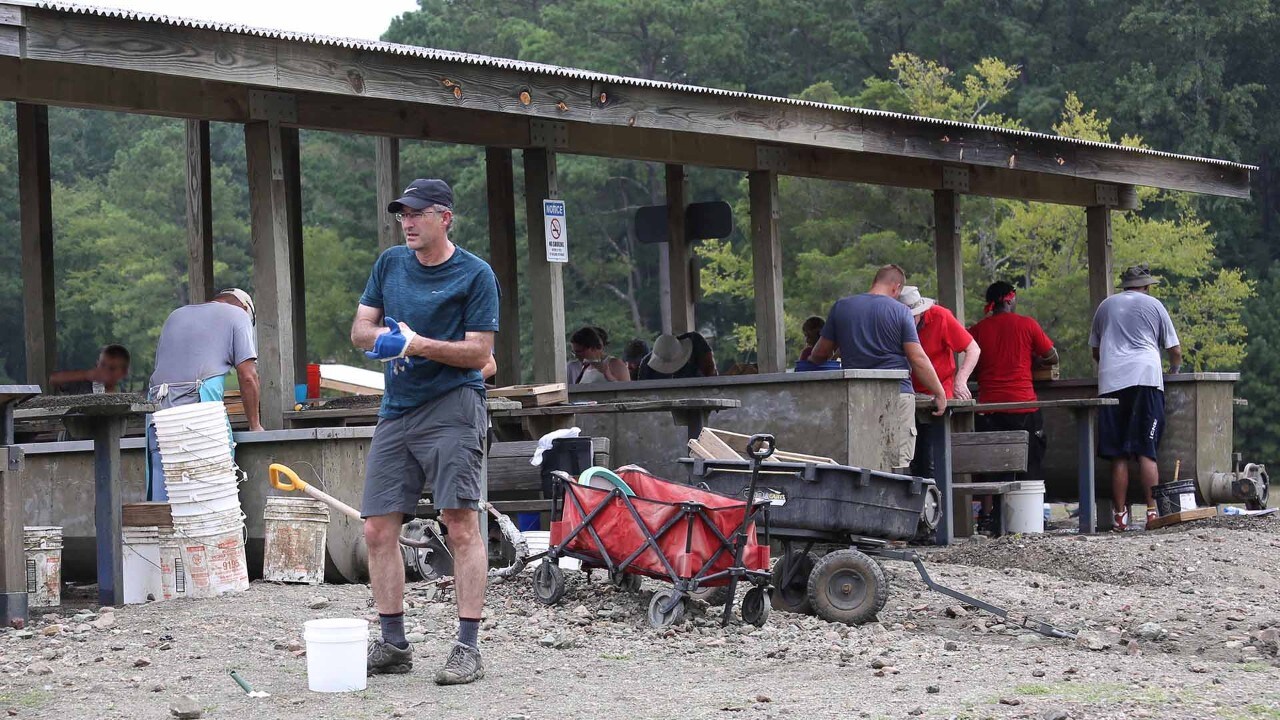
429	311
873	331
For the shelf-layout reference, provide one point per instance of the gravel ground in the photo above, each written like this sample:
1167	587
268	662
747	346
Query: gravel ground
1173	624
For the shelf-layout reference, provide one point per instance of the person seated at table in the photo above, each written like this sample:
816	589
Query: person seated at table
633	355
1011	345
112	368
812	329
682	356
591	364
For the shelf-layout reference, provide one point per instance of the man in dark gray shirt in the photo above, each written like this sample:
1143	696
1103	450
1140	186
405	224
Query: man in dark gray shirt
873	331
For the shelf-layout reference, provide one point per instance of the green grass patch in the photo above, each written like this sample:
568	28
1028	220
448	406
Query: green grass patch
1033	689
28	699
1255	666
617	656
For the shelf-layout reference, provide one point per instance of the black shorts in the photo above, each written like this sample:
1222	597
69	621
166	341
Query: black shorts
1133	427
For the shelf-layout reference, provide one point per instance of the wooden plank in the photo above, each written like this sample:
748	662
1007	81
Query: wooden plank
718	448
533	395
36	210
272	270
1101	276
146	514
735	440
291	157
766	263
985	488
199	214
989	452
679	253
1181	517
13	574
948	251
545	279
294	65
500	189
387	182
11	15
698	451
11	39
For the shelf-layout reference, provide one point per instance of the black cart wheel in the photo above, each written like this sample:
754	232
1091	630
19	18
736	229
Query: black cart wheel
625	582
756	606
659	601
848	587
548	582
791	582
713	596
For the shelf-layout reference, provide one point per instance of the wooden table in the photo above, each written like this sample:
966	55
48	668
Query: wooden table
104	424
1085	411
343	417
534	422
13	564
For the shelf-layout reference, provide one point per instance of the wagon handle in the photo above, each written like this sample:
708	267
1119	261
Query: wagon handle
760	446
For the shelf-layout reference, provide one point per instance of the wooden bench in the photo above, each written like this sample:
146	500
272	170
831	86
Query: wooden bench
1002	451
996	490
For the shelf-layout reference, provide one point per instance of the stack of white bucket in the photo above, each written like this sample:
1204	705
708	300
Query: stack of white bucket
203	483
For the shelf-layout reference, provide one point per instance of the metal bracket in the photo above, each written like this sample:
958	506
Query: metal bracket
772	157
266	105
550	134
1107	195
955	178
13	458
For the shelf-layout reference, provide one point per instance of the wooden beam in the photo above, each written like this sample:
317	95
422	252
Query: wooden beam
199	214
500	187
36	204
288	64
948	251
272	269
136	91
680	254
387	179
1101	276
766	262
545	279
291	156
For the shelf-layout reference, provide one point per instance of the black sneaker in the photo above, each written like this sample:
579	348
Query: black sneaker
462	666
387	659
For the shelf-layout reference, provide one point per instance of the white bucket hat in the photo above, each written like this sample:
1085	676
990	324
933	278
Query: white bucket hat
910	296
670	354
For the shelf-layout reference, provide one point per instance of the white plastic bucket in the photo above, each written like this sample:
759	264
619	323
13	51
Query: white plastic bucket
295	530
142	580
205	499
43	549
336	654
539	540
212	552
1024	508
173	578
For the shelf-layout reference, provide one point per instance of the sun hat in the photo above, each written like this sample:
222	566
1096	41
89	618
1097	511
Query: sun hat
243	298
1137	276
670	354
910	296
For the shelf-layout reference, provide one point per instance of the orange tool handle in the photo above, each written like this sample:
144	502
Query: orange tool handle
291	482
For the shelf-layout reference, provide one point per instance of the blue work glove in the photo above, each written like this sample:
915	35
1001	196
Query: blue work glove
391	345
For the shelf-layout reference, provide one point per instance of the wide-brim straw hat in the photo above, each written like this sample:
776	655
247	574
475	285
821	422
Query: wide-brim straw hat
670	353
910	296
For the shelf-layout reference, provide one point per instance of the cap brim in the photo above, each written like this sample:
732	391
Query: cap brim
412	203
925	304
1144	282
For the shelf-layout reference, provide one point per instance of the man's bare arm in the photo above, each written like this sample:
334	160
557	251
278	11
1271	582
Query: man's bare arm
250	391
490	368
1096	355
924	372
473	351
822	351
1175	359
367	327
971	354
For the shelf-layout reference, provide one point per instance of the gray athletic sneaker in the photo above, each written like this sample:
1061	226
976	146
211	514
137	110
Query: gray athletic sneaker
387	659
463	666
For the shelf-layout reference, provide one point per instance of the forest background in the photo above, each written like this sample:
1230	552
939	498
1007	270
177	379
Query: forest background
1182	76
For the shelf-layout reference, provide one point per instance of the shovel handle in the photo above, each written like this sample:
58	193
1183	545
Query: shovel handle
291	482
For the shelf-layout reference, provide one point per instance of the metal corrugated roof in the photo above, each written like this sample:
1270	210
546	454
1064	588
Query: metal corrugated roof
575	73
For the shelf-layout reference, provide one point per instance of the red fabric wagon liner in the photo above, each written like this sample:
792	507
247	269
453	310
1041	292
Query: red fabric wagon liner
707	533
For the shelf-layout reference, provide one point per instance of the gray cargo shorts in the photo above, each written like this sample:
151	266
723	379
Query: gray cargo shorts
436	446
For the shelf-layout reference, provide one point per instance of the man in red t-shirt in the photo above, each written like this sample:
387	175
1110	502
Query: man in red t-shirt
1011	344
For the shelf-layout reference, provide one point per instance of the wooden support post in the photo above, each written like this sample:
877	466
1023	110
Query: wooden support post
272	268
1086	428
292	160
107	507
387	172
948	251
199	214
545	279
679	254
36	209
766	249
502	257
1101	280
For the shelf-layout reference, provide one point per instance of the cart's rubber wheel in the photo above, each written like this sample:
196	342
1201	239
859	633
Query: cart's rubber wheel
847	587
793	597
931	514
548	582
756	607
625	582
713	596
659	619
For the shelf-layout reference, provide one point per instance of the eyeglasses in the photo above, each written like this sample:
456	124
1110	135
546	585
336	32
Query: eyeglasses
402	216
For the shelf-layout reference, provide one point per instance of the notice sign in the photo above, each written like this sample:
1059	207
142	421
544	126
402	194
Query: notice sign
556	232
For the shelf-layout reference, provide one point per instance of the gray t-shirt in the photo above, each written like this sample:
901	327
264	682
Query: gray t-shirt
870	330
199	342
1130	330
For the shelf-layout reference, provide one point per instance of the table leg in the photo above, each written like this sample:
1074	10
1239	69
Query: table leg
106	471
13	561
1085	421
693	421
940	438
